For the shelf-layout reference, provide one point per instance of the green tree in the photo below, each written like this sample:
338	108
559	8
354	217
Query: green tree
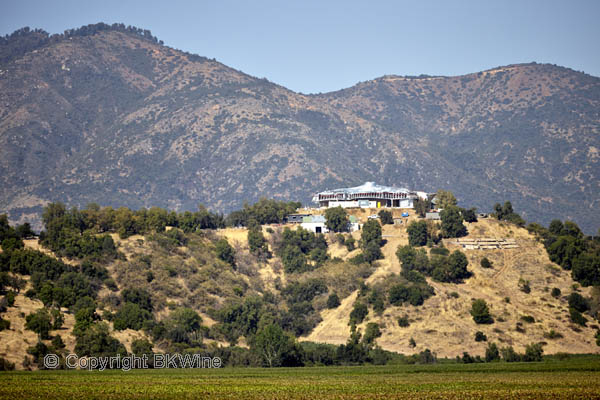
333	301
485	263
480	312
422	206
225	252
257	243
386	217
445	199
97	342
372	332
40	322
452	222
131	316
359	313
533	352
336	219
276	348
417	233
492	353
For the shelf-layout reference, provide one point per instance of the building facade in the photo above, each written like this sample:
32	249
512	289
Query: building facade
368	195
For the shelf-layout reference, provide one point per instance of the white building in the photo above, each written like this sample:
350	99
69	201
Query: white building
369	195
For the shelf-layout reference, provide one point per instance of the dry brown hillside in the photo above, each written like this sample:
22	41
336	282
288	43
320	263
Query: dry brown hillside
444	325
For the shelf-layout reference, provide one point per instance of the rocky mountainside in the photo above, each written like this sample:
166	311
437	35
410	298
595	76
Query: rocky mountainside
109	114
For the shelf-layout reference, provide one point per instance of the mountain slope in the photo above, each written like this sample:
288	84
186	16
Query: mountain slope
108	114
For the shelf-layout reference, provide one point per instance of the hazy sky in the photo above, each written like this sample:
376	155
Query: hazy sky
319	46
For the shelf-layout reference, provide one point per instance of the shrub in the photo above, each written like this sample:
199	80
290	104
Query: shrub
403	321
350	243
386	217
485	263
481	312
527	318
4	324
552	334
131	316
480	337
359	313
576	317
578	302
555	292
333	301
524	286
6	365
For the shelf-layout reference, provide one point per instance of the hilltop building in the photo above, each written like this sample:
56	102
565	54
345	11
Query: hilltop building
369	195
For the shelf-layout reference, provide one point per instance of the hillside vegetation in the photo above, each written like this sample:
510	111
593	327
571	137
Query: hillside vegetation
100	281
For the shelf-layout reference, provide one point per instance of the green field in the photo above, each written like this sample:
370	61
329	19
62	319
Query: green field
577	378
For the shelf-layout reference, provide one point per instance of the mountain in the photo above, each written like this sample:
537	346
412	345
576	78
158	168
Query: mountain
108	114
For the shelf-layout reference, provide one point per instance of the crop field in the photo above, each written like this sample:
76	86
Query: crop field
571	379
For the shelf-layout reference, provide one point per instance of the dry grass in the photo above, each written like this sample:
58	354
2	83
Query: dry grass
444	325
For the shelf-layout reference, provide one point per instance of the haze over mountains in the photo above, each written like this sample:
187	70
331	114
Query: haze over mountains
110	115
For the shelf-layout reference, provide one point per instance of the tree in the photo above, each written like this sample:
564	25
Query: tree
533	352
276	348
417	233
492	353
40	322
371	232
333	300
481	312
257	243
578	302
97	342
445	199
336	219
452	222
485	263
372	332
358	313
422	206
469	215
386	217
225	252
131	316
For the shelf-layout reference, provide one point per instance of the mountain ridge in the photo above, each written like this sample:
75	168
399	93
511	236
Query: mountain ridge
113	116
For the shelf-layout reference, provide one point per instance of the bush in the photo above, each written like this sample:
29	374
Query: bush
333	301
403	321
576	317
480	337
481	312
555	292
386	217
359	313
552	334
485	263
528	318
6	365
578	302
350	243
